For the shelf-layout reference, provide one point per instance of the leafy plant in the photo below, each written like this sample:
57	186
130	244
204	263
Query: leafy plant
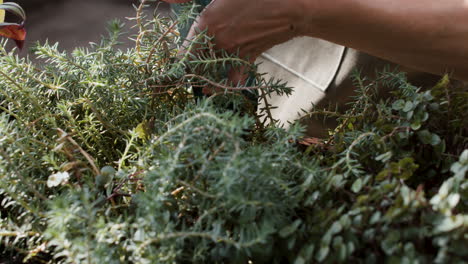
110	156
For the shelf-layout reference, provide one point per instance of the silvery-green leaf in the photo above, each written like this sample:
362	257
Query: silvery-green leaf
357	185
57	179
453	200
323	253
450	223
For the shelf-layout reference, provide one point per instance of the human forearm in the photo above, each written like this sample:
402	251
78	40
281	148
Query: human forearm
428	35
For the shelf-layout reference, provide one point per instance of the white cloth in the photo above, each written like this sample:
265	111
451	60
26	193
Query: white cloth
309	66
320	73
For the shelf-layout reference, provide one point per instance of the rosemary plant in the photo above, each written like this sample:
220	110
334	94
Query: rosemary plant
108	156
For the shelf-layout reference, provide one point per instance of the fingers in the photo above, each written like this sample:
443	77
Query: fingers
238	76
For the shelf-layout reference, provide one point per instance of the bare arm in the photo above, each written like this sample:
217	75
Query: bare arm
427	35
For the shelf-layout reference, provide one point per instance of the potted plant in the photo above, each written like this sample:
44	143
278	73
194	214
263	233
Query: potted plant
13	31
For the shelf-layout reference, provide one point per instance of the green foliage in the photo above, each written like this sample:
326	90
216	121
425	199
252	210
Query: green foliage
107	156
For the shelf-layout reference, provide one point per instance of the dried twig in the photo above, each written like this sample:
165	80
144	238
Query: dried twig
82	151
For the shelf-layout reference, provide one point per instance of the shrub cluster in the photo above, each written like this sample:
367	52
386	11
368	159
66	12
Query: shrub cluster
109	156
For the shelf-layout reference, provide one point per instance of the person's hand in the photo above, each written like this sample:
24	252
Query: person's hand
250	27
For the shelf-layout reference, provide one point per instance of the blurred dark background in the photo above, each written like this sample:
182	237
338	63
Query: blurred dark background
75	22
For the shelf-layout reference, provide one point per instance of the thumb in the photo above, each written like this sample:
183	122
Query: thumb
239	75
176	1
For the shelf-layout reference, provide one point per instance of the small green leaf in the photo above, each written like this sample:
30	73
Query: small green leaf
288	230
453	200
357	185
406	168
383	175
390	244
335	228
345	221
450	223
307	252
425	117
300	260
101	180
337	241
323	253
408	106
416	125
398	105
435	140
425	136
350	247
342	254
142	130
375	218
409	114
108	171
384	157
139	235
